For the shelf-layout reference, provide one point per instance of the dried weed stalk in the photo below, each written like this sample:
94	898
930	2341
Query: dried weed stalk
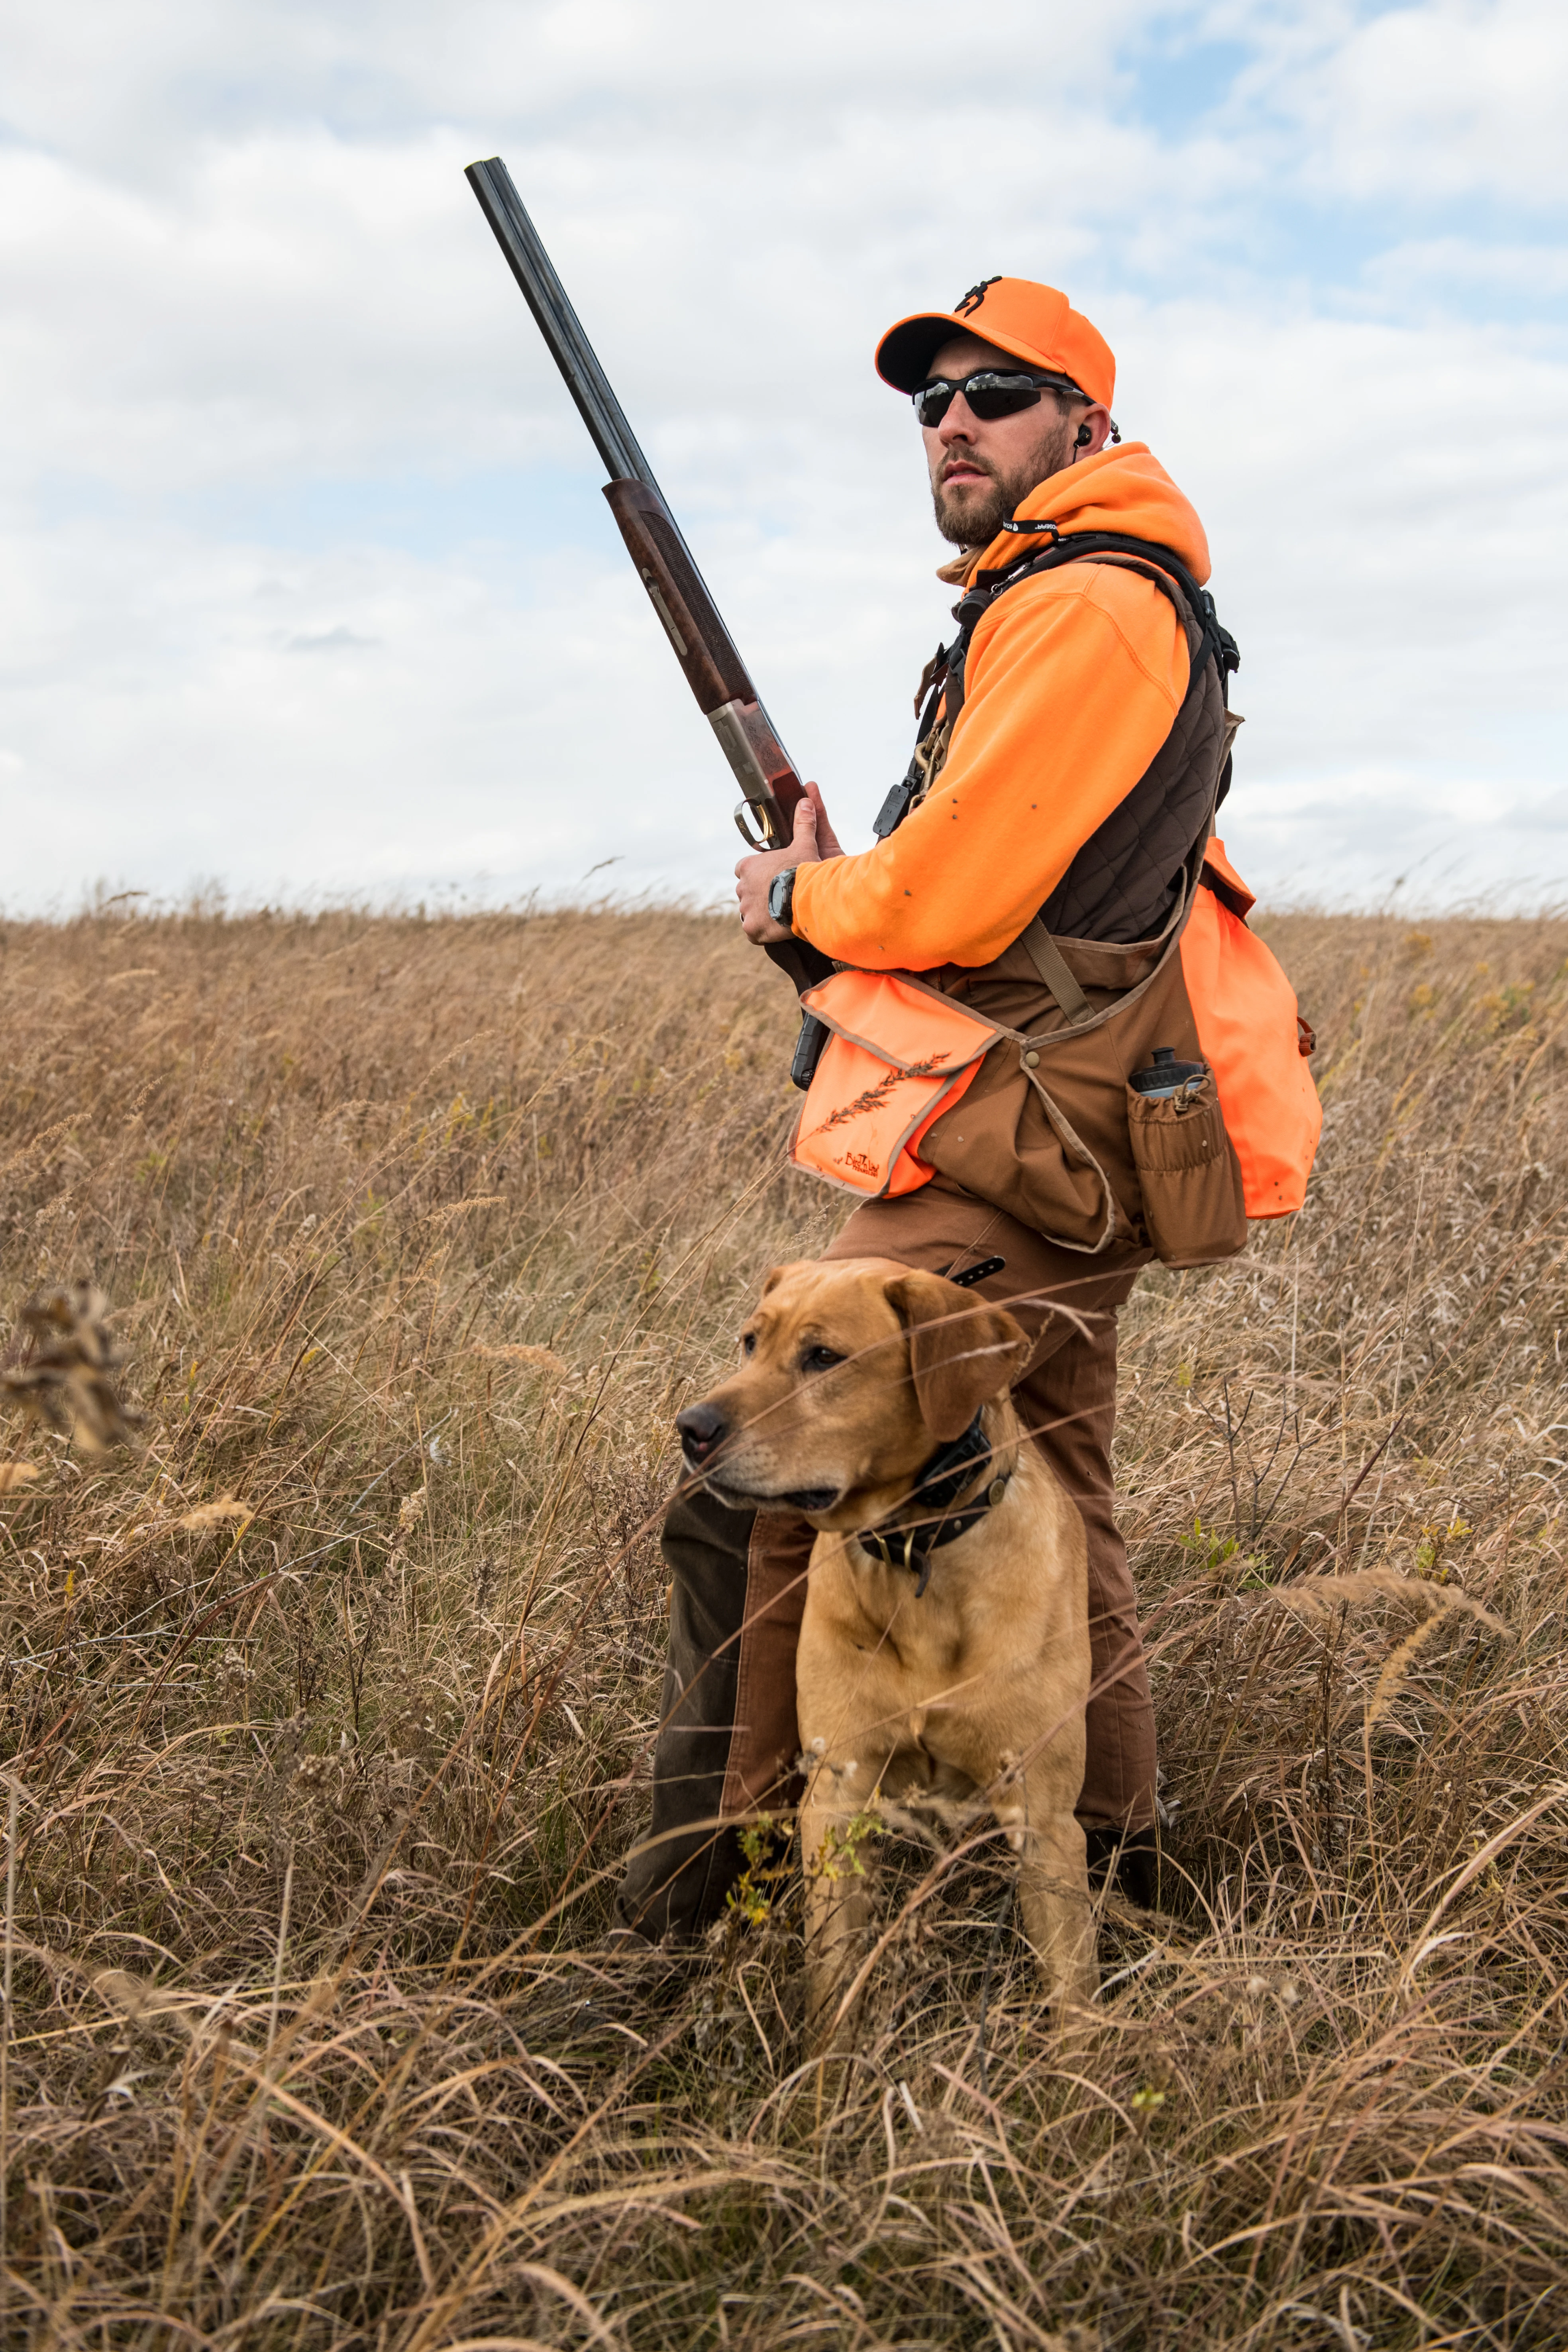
65	1379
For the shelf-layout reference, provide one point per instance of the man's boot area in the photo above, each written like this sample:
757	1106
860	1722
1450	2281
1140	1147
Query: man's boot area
1128	1860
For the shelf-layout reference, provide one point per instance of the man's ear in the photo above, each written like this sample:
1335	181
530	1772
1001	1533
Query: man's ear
960	1351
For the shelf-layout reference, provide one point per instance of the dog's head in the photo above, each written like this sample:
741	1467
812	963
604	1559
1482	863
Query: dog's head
852	1374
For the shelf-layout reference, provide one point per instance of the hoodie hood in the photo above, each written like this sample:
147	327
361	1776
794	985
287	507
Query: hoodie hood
1123	489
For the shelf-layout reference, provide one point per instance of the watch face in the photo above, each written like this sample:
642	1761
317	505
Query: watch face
780	895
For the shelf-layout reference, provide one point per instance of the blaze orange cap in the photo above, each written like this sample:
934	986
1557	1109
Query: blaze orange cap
1036	323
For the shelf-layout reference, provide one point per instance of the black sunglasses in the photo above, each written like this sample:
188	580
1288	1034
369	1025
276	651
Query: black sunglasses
990	393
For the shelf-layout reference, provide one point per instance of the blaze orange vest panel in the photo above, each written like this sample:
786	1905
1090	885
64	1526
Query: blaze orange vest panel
899	1056
1244	1009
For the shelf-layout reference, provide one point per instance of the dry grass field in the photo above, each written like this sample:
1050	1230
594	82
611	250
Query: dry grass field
327	1707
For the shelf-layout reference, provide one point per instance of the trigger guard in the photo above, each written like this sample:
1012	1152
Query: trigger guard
754	841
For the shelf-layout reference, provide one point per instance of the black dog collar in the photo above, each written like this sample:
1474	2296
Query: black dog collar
941	1483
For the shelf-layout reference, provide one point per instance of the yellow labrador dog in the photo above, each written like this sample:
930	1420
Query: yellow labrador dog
946	1644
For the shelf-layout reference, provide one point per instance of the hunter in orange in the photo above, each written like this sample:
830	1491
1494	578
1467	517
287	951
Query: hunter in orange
1072	747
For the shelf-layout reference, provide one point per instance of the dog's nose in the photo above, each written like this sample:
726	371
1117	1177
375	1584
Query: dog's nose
701	1427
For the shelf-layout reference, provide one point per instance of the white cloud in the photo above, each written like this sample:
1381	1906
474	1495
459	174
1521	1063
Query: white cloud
1456	99
305	579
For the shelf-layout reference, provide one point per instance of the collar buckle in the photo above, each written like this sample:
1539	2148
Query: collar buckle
938	1486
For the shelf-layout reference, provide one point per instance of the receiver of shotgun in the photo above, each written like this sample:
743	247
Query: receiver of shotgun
770	787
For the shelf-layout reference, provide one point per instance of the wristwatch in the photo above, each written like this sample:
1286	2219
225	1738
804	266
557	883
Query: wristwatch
781	897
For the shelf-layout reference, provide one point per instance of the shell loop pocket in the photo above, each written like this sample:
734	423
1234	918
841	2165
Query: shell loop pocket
899	1054
1188	1173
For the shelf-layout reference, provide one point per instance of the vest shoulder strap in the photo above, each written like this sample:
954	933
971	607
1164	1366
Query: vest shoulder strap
1194	606
1052	966
943	683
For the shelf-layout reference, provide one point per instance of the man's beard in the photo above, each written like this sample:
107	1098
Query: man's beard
973	518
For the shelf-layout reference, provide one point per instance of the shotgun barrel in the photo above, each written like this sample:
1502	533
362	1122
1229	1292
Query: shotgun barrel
770	785
559	324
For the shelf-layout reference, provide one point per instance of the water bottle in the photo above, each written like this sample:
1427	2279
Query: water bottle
1165	1076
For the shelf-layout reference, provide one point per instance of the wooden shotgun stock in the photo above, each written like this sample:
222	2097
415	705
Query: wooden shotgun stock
771	789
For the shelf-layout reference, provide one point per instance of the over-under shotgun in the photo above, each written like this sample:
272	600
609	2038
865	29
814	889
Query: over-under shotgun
770	786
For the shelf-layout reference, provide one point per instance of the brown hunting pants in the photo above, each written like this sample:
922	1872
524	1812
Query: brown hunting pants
728	1742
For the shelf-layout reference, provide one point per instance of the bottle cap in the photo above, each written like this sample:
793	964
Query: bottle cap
1165	1076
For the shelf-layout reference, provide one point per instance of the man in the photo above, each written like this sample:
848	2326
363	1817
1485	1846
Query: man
1073	683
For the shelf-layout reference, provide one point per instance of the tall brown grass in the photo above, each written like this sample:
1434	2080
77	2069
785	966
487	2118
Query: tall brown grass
327	1716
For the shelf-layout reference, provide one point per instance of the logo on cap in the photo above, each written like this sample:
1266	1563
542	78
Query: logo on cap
976	296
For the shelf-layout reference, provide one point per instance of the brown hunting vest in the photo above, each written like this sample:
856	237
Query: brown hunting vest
1049	1130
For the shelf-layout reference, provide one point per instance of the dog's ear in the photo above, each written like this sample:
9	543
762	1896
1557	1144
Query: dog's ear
771	1281
960	1351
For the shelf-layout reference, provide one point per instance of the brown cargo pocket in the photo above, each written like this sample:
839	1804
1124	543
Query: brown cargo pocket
1188	1174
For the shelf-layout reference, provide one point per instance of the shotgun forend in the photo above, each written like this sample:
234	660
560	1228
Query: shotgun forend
770	786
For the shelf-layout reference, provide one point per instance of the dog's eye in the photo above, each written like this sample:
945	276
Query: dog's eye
819	1360
748	1343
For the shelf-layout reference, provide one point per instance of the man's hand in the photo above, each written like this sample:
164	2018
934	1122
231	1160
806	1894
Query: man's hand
814	839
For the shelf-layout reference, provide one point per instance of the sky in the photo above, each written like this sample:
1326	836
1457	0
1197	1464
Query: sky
306	590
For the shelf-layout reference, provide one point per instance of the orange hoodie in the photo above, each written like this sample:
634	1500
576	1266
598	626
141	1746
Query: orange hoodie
1072	684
